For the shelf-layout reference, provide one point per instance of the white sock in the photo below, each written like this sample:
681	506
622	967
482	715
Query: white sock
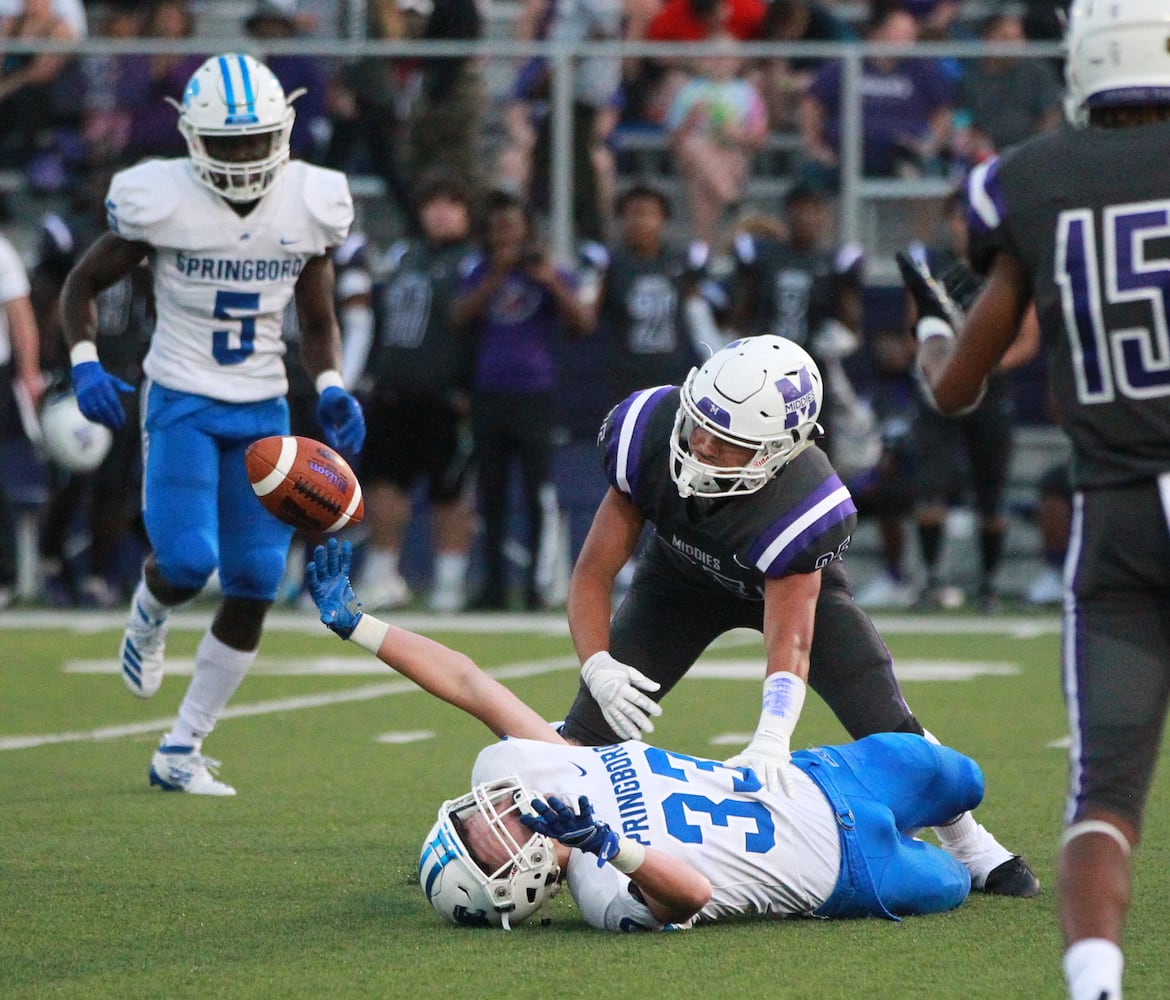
219	669
1092	968
149	603
380	564
450	570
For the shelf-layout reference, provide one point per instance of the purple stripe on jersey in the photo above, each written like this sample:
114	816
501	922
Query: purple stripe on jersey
986	206
627	434
823	508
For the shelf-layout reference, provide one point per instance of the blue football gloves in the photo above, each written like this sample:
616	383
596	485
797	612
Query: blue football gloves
327	577
97	394
340	416
556	819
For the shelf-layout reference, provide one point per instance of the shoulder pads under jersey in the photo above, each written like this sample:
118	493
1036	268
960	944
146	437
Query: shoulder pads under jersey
329	202
143	196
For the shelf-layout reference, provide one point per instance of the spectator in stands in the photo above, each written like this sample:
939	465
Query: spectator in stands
656	81
144	83
364	109
418	404
275	21
27	80
446	116
596	82
973	450
106	124
19	373
905	108
1009	98
513	301
782	80
716	121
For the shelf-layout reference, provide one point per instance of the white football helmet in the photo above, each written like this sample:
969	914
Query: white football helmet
237	122
1118	54
763	393
467	891
69	439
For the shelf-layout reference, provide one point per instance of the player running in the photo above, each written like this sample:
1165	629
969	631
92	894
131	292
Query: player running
232	232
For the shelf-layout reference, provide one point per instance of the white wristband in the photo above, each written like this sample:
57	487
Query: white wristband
932	326
369	633
330	378
629	857
83	351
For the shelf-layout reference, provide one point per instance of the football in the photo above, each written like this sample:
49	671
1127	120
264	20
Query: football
304	483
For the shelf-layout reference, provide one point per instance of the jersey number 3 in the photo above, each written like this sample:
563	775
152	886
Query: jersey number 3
1133	361
226	304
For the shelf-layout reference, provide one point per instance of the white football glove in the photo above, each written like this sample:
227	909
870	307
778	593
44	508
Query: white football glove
617	688
769	752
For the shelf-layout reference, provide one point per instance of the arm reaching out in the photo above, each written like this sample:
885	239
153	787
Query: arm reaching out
447	674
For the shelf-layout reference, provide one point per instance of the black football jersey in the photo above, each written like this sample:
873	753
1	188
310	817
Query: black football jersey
417	349
796	523
641	315
1087	212
793	288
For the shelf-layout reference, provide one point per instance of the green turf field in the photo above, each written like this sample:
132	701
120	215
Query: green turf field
304	885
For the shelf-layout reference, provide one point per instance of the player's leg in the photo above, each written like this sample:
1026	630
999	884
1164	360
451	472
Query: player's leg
452	516
852	670
921	783
253	546
989	433
388	472
532	422
915	878
850	666
493	453
180	478
1117	688
661	628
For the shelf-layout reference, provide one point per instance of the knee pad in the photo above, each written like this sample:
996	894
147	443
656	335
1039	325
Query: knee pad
186	559
254	572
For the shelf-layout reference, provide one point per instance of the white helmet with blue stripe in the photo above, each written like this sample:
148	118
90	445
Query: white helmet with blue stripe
512	880
237	122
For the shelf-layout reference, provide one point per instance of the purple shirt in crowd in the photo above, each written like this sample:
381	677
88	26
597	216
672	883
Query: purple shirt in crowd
894	105
514	351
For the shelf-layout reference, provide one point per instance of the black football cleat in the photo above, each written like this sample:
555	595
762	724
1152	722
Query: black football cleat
1012	878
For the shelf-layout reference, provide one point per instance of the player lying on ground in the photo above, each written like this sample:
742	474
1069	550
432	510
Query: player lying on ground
673	839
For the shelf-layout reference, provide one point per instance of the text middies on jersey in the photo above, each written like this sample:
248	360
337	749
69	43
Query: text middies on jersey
695	553
234	269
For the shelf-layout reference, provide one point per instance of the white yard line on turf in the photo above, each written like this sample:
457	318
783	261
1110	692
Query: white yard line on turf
530	669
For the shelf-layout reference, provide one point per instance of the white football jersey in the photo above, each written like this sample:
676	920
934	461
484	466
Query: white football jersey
13	285
222	281
764	854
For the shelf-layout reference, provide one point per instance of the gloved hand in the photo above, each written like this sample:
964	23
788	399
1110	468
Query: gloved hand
769	753
340	416
327	577
97	394
930	295
615	686
556	819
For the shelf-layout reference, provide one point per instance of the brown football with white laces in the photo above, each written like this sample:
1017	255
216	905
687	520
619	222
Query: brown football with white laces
304	483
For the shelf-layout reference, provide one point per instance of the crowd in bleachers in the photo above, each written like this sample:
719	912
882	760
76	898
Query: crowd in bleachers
679	246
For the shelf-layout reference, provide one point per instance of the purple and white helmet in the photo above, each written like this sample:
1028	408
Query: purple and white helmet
761	393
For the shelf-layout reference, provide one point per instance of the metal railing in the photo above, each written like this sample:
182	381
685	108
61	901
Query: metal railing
855	190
